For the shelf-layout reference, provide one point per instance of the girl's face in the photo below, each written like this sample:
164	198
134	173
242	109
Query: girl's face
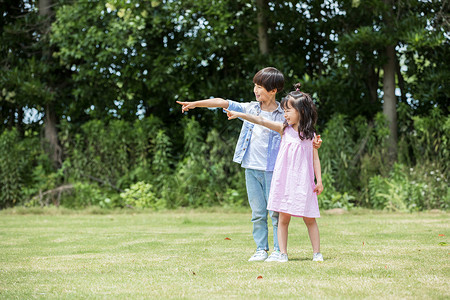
291	115
261	94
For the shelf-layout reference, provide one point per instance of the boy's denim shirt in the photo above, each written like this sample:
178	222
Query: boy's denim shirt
254	108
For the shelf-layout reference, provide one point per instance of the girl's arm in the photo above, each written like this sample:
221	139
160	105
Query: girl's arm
317	172
214	102
275	126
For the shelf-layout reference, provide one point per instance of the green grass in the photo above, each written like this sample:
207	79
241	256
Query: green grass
185	254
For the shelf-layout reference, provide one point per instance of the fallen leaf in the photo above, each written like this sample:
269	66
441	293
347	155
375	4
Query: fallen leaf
259	277
228	239
441	234
363	243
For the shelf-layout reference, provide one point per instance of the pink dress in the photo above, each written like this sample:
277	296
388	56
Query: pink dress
292	186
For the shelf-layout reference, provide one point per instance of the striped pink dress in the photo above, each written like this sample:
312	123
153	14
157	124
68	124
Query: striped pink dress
293	184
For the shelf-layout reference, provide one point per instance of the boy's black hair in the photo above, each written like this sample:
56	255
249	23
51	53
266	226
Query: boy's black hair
303	103
270	78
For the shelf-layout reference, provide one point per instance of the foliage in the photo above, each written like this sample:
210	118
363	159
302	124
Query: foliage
330	198
425	187
141	195
108	152
110	72
16	165
206	174
356	171
83	195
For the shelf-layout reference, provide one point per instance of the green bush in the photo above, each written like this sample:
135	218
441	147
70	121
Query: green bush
141	195
330	198
101	158
16	166
337	151
117	153
424	187
83	194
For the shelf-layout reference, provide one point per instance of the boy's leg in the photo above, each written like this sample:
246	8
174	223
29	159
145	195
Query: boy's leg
254	180
273	214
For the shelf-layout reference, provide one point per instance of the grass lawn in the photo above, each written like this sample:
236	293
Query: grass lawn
186	254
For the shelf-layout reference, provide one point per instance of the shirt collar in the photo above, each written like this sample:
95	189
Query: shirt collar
279	109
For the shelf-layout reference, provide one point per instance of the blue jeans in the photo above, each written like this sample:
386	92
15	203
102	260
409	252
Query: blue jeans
258	187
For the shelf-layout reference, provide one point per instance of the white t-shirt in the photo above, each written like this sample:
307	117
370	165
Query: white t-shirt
256	155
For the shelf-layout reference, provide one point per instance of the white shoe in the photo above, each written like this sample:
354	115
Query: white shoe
275	256
283	258
317	256
260	255
278	257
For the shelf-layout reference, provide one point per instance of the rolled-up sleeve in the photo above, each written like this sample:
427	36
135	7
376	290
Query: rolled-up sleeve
236	106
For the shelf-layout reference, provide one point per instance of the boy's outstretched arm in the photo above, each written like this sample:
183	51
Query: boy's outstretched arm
213	102
317	172
275	126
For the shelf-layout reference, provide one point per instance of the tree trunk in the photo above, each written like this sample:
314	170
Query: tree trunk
263	39
401	81
51	135
50	132
390	100
19	122
44	7
372	84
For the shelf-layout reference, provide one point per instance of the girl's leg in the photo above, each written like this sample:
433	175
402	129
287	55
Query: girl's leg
313	231
283	224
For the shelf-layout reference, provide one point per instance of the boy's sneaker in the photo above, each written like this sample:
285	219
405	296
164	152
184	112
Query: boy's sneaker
260	255
275	256
317	256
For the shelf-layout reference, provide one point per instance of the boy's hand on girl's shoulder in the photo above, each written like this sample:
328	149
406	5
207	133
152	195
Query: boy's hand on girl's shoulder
319	188
317	142
186	106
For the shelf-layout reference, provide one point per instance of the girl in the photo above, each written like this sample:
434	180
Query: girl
292	191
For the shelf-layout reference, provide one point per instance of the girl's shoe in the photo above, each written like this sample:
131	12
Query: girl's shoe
317	256
283	257
275	256
259	255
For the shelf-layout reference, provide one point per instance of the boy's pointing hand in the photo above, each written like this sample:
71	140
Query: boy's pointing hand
186	106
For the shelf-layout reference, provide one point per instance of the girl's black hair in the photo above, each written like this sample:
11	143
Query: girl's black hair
303	103
269	78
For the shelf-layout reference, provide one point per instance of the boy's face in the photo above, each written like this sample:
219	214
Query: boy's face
262	95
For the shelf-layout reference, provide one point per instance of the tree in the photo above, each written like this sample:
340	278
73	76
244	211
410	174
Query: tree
50	120
263	41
